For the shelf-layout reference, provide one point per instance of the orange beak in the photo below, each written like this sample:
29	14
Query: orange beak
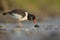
35	21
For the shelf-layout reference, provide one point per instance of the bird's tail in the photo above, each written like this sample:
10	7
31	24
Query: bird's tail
4	13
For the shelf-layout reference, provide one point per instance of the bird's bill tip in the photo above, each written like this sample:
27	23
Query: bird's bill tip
35	21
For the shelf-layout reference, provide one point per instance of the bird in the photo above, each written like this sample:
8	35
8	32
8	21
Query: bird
21	15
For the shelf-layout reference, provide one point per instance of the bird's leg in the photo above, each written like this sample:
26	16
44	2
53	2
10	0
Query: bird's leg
20	24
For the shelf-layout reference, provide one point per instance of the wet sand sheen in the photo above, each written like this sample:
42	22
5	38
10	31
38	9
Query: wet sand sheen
3	35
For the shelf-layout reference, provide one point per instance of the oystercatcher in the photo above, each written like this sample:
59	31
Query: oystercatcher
21	15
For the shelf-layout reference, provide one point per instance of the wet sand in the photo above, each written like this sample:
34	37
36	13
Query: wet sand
3	35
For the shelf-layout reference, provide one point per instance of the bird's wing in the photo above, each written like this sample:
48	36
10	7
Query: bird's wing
17	15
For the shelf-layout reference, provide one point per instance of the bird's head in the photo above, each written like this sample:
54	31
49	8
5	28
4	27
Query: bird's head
32	18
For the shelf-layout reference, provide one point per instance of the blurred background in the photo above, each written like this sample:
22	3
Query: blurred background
40	8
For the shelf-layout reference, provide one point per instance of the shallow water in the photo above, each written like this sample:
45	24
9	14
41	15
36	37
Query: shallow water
49	30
